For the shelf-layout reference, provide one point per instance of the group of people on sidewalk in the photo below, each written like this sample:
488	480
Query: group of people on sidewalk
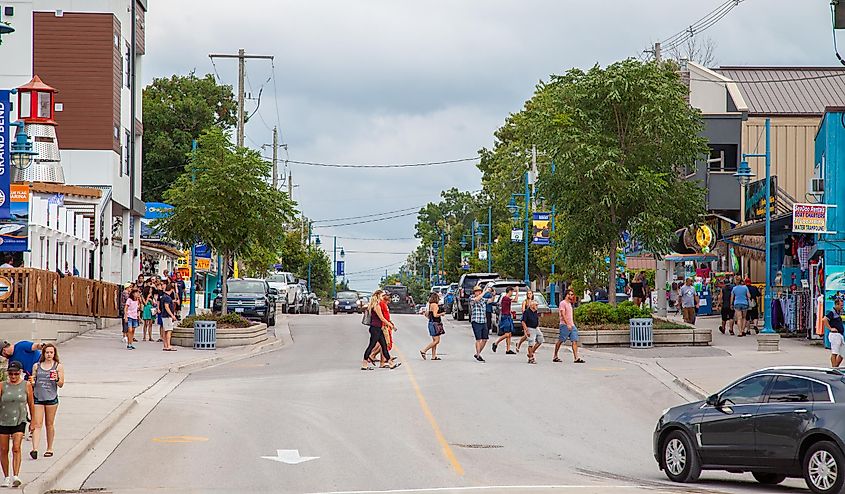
29	393
740	305
148	301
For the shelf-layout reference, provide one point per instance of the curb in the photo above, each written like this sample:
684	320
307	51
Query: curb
49	478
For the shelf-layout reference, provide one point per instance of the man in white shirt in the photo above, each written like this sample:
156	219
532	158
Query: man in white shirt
688	300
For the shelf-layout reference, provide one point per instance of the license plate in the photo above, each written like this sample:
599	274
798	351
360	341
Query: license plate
239	309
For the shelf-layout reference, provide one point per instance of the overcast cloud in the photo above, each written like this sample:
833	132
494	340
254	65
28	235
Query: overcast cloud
391	81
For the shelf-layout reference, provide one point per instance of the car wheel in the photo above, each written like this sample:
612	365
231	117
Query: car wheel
460	315
272	321
823	464
680	461
768	478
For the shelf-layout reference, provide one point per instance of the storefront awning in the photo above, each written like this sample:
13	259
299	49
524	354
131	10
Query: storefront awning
699	257
780	224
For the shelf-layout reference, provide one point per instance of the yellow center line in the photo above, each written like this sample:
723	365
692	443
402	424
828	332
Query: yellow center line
444	445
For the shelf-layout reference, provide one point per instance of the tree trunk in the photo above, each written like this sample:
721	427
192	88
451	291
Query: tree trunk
224	289
611	274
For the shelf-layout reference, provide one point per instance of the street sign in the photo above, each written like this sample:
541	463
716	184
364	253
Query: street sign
465	260
340	268
482	255
516	235
5	153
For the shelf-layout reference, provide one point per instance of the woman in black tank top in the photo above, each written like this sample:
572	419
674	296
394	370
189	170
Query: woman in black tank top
435	326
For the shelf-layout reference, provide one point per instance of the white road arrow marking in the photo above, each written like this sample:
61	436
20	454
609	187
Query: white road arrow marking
290	456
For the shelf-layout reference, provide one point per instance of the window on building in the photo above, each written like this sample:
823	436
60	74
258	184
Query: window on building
26	104
126	152
127	66
44	105
723	157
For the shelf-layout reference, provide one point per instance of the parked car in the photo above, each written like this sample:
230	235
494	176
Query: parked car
401	301
775	423
465	285
283	282
346	302
250	297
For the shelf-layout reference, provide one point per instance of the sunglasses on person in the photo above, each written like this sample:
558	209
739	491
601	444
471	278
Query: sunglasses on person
14	373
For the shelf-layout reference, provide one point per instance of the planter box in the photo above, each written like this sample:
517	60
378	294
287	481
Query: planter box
622	337
226	337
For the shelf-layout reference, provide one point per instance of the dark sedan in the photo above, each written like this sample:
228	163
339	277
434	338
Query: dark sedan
775	423
346	302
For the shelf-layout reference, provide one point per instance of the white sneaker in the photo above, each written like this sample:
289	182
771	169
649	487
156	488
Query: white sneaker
7	482
16	481
125	340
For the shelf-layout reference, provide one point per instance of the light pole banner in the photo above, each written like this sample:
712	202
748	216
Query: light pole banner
542	229
5	153
809	218
340	268
14	230
465	260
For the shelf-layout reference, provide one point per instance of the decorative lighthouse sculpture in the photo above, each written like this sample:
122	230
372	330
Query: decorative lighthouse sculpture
36	108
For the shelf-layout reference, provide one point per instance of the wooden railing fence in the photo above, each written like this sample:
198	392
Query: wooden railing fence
36	290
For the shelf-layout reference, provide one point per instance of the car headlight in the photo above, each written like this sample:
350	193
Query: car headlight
260	301
337	302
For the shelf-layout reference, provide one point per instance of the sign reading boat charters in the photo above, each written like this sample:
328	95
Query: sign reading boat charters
810	218
5	152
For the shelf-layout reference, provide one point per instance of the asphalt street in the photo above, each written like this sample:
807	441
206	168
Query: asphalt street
454	425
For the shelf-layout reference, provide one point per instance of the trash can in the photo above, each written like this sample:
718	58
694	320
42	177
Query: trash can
642	332
205	335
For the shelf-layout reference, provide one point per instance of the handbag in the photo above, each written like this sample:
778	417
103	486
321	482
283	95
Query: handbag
438	329
367	319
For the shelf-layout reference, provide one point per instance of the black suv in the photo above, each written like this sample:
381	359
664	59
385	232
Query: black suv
775	423
465	285
251	298
401	301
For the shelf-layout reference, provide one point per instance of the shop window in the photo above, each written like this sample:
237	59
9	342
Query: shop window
723	157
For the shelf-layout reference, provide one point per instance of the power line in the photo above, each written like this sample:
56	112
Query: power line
368	215
700	25
375	252
379	239
367	221
397	165
376	269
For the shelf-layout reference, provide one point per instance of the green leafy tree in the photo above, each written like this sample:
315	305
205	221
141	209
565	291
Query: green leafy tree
619	136
226	201
176	111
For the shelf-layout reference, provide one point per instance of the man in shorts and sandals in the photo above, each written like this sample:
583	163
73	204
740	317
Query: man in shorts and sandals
568	331
478	320
740	300
531	327
833	322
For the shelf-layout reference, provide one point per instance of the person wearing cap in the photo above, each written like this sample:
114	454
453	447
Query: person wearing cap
478	320
25	352
16	399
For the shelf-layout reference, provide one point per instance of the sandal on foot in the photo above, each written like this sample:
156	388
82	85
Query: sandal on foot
48	454
532	361
579	361
395	366
34	455
362	368
556	360
422	354
436	358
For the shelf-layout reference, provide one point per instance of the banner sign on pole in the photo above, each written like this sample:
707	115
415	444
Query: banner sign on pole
465	260
340	266
755	199
157	210
202	250
516	235
14	230
482	255
5	153
542	229
809	218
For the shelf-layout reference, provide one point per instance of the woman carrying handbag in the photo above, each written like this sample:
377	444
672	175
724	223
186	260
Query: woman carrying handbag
435	327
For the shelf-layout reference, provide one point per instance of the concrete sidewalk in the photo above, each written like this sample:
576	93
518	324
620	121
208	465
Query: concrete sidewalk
106	384
705	370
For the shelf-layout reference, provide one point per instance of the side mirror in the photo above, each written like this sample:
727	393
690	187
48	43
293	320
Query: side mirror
274	291
713	400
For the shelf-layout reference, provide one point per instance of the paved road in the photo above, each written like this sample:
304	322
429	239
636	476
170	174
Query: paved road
450	426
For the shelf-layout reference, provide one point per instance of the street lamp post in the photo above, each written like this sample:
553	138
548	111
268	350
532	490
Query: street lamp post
526	197
478	231
744	174
334	265
317	241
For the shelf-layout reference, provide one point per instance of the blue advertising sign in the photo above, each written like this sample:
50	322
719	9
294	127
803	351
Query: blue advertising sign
156	210
14	231
5	153
340	268
202	250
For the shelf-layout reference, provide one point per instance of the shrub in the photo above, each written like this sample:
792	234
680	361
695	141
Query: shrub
627	311
230	320
597	313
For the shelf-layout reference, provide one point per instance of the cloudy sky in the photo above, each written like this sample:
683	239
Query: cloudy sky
393	81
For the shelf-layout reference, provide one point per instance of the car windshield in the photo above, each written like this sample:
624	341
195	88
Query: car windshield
242	286
541	300
500	289
347	295
279	278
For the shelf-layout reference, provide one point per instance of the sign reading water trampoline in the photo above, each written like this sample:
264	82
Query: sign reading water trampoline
810	218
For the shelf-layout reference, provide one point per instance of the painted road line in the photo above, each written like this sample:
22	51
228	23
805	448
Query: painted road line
592	488
180	439
444	444
607	369
290	456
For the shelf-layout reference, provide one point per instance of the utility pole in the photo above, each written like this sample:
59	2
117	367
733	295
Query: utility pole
242	57
290	184
275	158
658	54
533	177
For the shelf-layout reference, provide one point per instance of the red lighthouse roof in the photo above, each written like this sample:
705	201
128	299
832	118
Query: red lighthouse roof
36	84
